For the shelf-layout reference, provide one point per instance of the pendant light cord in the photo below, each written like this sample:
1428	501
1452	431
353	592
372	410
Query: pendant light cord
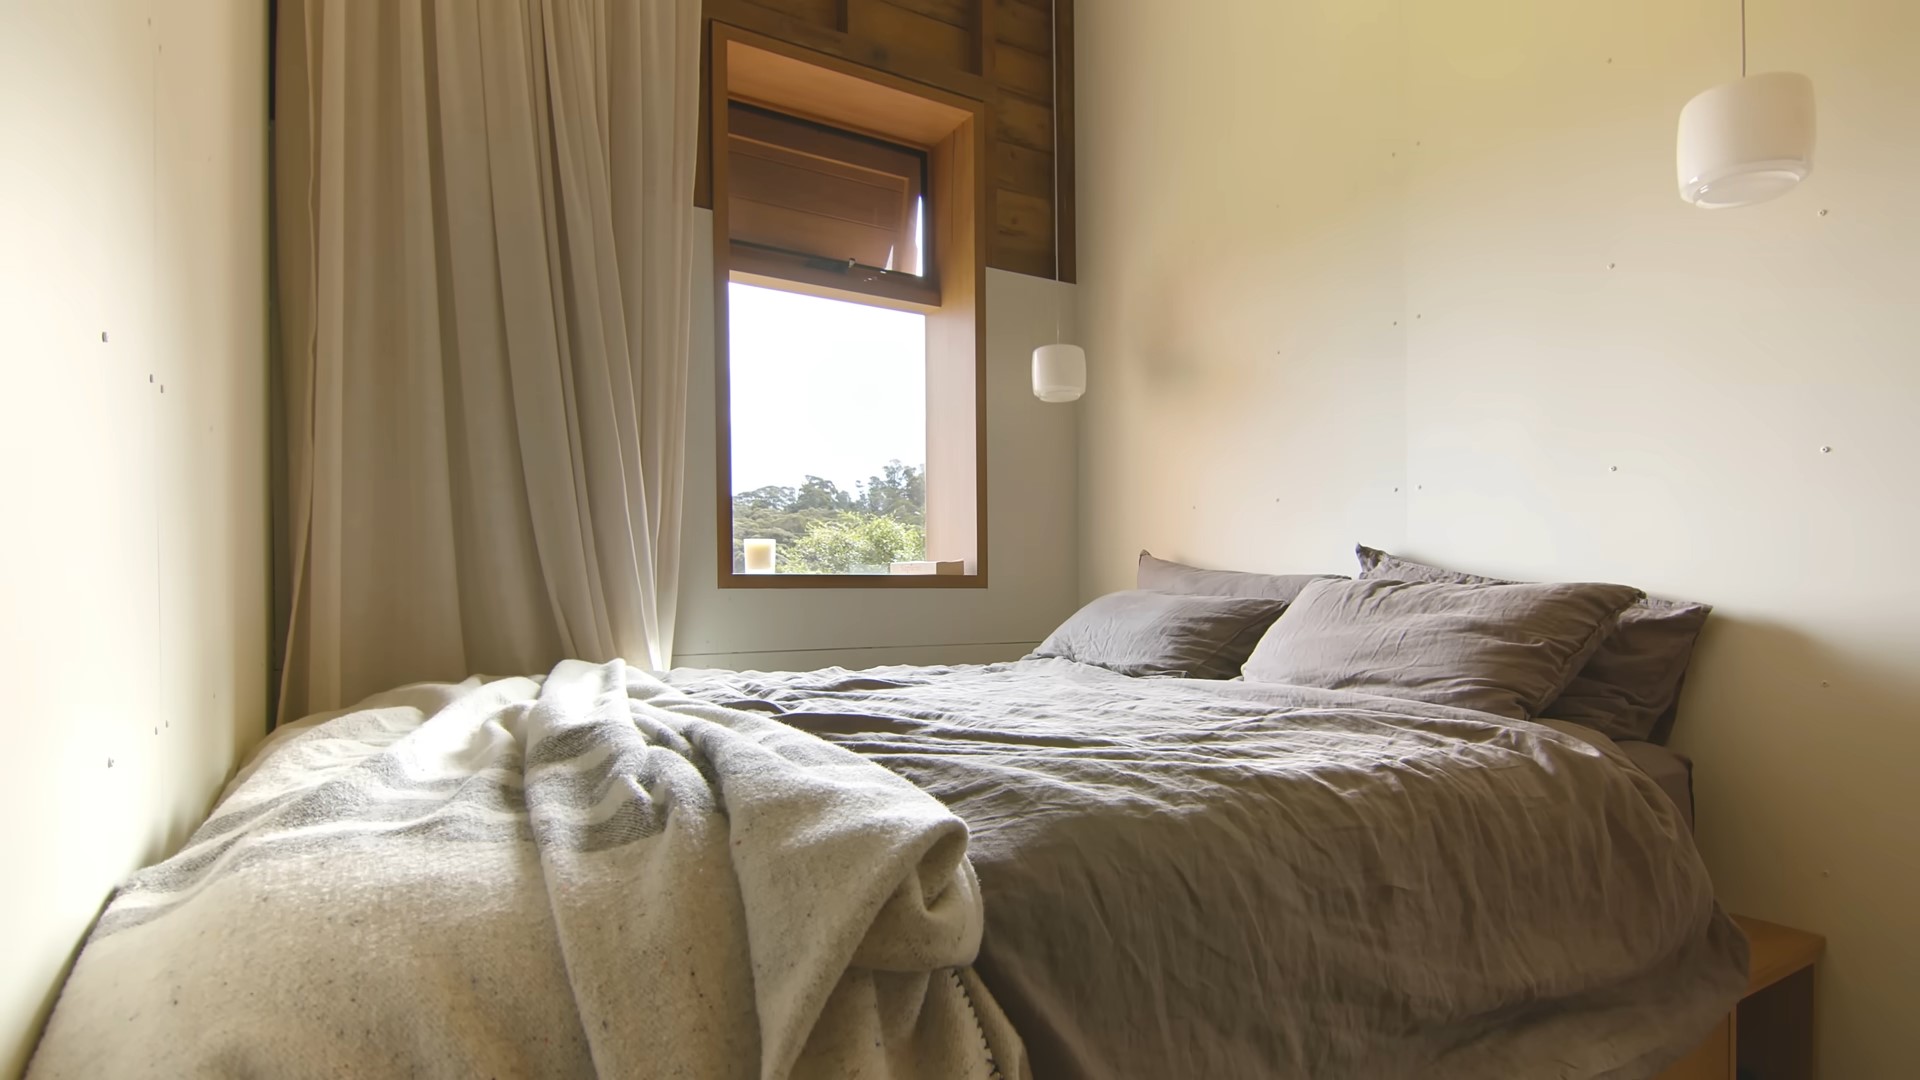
1743	38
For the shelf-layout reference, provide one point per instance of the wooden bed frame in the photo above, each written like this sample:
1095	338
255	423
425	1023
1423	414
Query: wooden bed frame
1769	1035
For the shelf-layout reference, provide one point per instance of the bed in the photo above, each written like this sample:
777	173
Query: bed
1203	878
1042	868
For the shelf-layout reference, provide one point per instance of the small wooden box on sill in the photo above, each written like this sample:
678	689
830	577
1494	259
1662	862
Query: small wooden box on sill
933	566
1769	1035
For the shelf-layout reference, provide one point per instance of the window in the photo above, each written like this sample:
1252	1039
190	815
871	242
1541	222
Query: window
829	433
849	375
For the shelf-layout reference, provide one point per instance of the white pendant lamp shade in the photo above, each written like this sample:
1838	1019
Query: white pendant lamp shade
1746	142
1059	372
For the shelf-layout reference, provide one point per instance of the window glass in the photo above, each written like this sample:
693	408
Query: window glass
829	433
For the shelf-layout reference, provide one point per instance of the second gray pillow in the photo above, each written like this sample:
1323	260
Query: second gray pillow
1501	649
1167	576
1630	687
1149	633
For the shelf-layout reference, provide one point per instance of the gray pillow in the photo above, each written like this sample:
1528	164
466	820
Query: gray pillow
1501	649
1160	575
1150	633
1630	689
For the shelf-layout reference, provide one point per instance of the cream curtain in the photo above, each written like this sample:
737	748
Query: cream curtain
484	220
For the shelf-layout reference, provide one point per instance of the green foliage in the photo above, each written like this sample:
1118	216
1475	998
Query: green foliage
854	541
885	516
899	492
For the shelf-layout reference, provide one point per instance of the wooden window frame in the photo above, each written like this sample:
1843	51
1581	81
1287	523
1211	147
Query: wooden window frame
759	70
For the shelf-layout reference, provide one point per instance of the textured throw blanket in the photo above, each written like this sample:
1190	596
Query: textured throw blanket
584	874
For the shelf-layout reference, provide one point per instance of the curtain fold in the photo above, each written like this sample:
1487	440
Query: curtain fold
484	230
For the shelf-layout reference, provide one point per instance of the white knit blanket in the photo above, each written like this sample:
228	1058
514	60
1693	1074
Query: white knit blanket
584	874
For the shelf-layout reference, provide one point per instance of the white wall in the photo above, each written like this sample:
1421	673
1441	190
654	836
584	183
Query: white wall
1498	177
133	551
1030	526
1240	283
1710	365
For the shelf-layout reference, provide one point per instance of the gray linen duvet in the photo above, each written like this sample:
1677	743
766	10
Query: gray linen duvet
1206	879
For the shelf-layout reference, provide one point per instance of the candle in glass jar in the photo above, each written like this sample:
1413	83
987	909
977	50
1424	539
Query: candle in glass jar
759	556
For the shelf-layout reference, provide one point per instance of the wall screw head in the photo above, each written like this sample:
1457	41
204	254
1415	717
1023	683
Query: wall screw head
103	335
1613	468
1823	213
1826	449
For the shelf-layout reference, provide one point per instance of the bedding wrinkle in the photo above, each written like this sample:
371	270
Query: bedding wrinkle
586	874
1211	878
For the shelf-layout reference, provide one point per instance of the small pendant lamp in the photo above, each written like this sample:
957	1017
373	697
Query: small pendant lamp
1059	371
1746	142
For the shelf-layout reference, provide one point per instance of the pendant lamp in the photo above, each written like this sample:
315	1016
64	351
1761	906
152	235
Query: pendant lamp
1060	370
1748	141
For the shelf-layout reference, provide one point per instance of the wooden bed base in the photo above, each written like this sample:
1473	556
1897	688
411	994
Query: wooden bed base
1769	1035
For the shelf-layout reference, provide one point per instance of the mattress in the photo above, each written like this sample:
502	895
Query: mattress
1672	771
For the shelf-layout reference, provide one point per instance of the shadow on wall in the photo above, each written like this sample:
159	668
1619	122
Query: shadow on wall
1784	728
1746	667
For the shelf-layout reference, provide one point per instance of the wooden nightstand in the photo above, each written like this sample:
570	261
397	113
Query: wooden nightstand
1769	1035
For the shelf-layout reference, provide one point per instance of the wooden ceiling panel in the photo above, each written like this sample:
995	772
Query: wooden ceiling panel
822	12
961	13
1023	123
1026	73
999	51
909	32
1022	232
1015	168
1024	25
